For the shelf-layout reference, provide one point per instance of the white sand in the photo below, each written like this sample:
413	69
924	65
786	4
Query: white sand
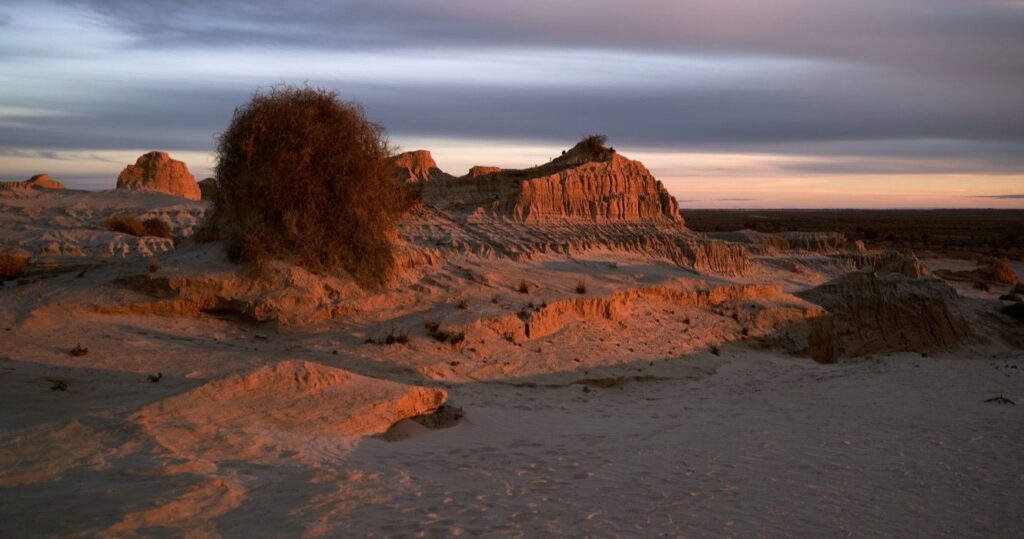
768	445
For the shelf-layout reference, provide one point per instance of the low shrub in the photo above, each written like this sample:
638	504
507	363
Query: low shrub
156	227
12	266
440	335
523	287
581	287
1015	311
304	177
594	144
132	225
126	224
391	338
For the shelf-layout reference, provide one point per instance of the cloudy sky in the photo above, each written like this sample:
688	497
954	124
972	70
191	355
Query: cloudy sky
732	103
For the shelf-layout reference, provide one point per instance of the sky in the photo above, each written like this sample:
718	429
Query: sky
731	103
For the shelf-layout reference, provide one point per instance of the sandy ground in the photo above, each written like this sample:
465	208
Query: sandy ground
750	443
634	409
767	446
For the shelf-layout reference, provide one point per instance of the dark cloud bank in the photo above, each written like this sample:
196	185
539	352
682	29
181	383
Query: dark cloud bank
913	74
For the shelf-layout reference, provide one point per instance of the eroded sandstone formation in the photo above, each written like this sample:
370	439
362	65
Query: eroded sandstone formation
158	172
584	185
588	198
416	167
489	237
477	171
284	294
989	271
44	181
278	404
889	312
39	181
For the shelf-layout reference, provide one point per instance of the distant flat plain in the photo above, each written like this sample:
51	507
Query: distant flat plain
958	233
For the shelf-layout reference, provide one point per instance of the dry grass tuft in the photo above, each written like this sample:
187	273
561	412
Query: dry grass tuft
441	335
304	177
581	287
391	338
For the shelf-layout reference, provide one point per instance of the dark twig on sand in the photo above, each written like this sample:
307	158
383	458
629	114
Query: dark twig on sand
1000	399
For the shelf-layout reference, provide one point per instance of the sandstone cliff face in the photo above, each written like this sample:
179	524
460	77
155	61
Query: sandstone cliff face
873	313
618	190
589	198
416	167
583	185
158	172
614	190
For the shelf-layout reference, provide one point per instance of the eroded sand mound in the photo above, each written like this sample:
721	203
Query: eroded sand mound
158	172
279	292
889	312
39	181
57	223
282	406
989	271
